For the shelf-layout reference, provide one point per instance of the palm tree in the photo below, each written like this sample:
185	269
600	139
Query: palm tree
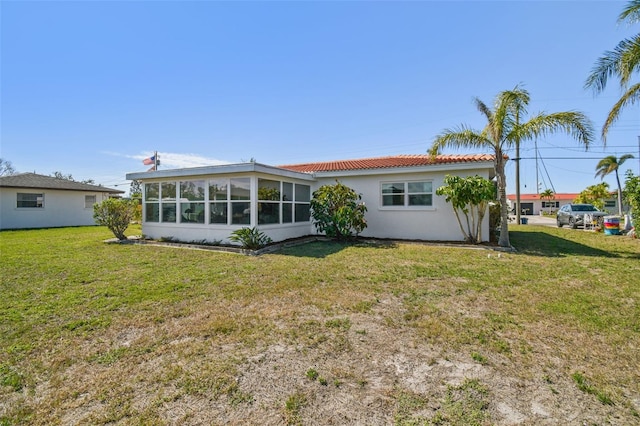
622	62
611	164
548	195
504	130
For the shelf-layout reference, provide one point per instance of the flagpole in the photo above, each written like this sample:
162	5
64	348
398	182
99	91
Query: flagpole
155	160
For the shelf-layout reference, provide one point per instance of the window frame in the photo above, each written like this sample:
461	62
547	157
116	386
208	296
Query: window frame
406	195
39	200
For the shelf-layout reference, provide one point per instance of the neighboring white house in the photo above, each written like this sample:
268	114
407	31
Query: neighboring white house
29	200
208	203
532	204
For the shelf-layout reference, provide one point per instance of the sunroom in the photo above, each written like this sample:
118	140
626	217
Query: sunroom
206	204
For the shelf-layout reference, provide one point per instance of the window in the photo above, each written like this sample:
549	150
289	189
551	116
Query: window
168	200
89	201
302	203
268	201
407	194
240	195
218	196
31	201
192	201
152	202
550	204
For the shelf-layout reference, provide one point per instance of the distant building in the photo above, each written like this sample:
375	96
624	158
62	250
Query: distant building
29	200
532	204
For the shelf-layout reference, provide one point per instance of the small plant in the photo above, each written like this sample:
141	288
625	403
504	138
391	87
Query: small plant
322	381
292	407
312	374
479	358
250	238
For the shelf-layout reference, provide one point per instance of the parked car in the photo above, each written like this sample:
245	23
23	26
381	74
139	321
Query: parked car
573	214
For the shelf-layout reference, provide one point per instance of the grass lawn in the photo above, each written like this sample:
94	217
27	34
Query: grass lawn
323	333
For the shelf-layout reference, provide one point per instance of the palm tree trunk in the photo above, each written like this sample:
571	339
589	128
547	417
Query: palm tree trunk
619	194
502	193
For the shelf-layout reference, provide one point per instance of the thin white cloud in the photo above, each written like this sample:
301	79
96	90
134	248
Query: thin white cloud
175	160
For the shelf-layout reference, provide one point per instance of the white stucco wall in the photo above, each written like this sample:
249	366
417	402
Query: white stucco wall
61	208
435	223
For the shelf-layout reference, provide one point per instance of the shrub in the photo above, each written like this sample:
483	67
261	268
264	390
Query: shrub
337	211
116	214
250	238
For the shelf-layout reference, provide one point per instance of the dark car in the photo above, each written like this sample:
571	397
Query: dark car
573	215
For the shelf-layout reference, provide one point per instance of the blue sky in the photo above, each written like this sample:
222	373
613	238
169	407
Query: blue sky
92	88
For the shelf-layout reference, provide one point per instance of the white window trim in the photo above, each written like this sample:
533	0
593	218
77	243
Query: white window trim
405	207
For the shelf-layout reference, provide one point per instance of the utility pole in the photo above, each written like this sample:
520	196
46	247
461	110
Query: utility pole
517	159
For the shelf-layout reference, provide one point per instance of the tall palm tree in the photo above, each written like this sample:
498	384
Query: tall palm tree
504	129
623	62
548	195
611	164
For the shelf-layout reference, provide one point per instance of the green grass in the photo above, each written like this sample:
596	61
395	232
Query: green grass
98	333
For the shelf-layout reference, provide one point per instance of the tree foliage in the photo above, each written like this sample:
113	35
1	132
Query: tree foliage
622	62
60	175
6	168
594	194
469	197
548	195
610	164
337	211
504	129
632	195
116	214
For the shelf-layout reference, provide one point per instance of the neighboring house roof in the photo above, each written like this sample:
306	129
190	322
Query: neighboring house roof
386	162
35	181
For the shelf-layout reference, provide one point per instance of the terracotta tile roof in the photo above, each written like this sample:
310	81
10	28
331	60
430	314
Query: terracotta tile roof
35	181
412	160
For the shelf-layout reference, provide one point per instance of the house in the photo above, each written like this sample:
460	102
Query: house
29	200
532	204
208	203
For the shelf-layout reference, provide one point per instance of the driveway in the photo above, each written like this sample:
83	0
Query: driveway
541	220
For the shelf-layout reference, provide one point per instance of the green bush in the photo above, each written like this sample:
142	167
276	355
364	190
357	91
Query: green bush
337	211
250	238
116	214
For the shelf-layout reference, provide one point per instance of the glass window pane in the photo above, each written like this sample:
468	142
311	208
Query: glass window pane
268	213
303	212
241	213
303	193
240	189
192	212
420	199
393	200
168	191
30	200
287	191
287	211
218	213
168	212
268	190
152	212
218	189
415	187
192	190
151	191
89	201
393	188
